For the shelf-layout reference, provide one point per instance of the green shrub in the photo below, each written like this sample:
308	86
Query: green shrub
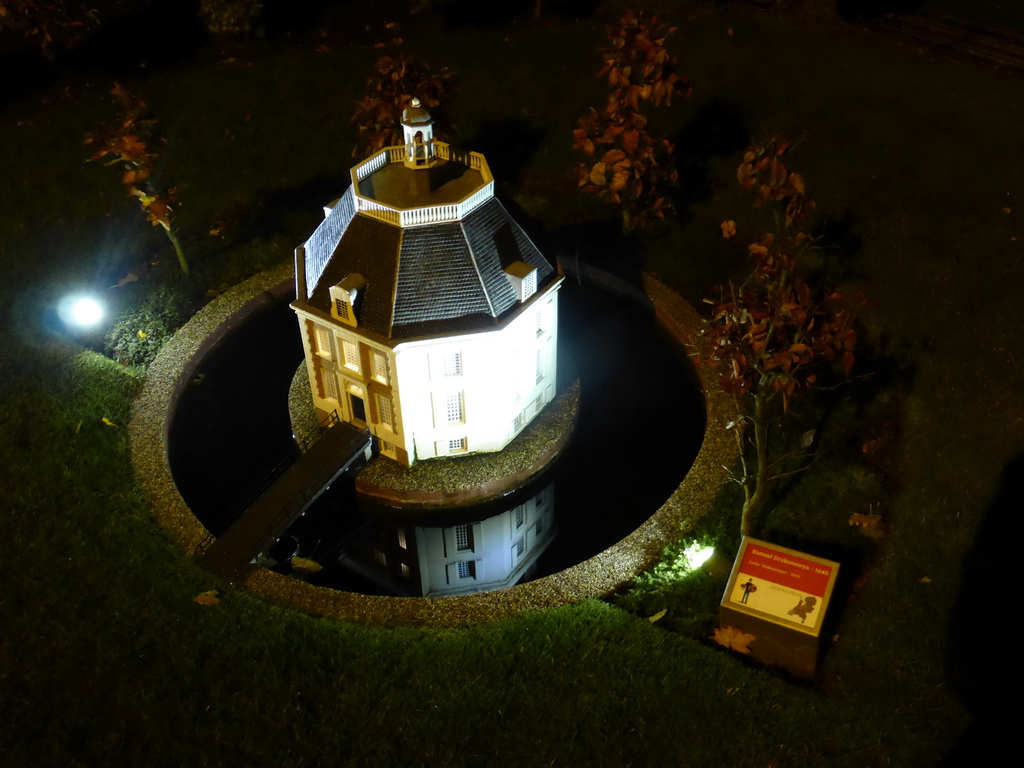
141	328
231	17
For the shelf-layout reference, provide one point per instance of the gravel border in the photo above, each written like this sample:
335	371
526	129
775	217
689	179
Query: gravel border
597	577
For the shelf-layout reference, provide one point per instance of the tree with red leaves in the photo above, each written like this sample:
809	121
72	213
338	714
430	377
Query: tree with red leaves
626	164
50	25
126	142
398	78
776	334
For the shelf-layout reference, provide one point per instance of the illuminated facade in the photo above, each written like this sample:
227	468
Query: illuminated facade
427	314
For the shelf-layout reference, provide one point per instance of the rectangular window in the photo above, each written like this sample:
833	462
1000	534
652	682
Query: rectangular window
464	538
384	414
323	341
341	306
402	542
350	350
539	321
518	421
457	445
330	384
539	365
520	516
451	364
520	546
538	403
380	367
466	569
380	557
453	408
405	571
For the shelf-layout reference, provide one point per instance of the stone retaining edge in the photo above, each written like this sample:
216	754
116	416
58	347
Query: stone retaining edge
598	577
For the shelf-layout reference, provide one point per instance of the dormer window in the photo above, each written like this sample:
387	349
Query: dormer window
523	279
343	309
346	297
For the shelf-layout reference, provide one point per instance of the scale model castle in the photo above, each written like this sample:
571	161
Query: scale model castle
427	314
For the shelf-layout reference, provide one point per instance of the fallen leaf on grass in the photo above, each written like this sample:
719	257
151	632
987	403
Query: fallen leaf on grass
924	580
305	564
728	229
209	597
659	615
734	638
109	423
865	521
131	277
869	525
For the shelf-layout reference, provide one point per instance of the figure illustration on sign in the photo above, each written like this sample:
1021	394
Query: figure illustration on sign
747	588
804	607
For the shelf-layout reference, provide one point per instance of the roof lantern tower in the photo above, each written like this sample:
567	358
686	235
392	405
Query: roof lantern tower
418	129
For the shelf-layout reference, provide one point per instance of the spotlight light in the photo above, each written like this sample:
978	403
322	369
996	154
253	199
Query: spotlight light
80	311
696	555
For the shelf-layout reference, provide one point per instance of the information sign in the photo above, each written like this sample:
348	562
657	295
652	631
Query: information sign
781	585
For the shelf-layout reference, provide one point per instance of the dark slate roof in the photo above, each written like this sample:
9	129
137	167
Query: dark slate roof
496	242
367	247
426	280
437	278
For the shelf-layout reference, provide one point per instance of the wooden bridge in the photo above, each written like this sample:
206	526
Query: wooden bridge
320	462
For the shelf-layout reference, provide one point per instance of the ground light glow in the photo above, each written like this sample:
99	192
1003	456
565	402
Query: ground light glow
696	555
80	311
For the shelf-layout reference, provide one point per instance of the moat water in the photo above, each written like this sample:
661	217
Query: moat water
640	424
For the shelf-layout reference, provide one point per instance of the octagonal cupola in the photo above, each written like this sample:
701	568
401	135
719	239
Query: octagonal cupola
418	129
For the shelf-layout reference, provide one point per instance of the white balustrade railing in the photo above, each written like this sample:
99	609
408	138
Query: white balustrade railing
480	196
428	214
378	210
364	169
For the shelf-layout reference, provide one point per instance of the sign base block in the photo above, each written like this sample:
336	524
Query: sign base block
776	646
779	596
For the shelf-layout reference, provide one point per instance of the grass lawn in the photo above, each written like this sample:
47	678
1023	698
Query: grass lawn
915	162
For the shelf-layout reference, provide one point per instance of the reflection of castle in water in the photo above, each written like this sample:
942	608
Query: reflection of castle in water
435	561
